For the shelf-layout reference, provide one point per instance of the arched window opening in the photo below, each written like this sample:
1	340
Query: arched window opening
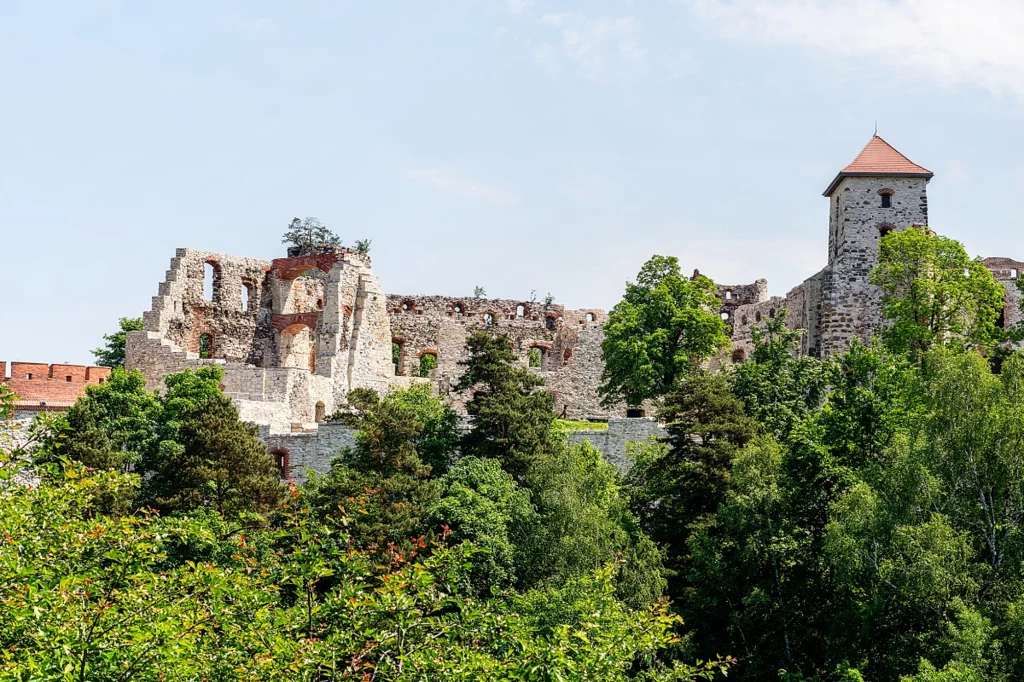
535	357
408	306
725	316
209	281
428	363
298	347
884	228
246	293
771	313
321	411
634	413
398	356
520	310
489	319
320	303
549	322
739	355
1001	320
280	456
591	317
205	346
459	309
757	316
728	295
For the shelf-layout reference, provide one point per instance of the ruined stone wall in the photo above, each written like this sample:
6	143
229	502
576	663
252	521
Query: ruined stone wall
1006	271
850	307
313	328
745	318
735	295
299	453
569	342
612	443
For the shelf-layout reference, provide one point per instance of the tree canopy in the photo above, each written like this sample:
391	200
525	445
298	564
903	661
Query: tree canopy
664	326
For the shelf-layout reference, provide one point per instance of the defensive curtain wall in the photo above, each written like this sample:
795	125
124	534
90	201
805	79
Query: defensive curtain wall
295	335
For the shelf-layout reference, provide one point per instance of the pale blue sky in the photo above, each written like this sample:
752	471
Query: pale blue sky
511	144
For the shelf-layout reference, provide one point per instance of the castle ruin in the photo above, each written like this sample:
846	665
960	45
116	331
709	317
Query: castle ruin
295	335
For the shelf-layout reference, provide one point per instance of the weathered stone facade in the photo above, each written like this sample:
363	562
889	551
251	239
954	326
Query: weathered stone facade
295	335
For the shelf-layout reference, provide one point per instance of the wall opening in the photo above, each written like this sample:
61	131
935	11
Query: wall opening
459	309
771	313
246	293
205	346
744	320
724	316
566	356
408	307
280	456
520	310
757	316
321	411
549	322
591	317
535	359
634	413
884	228
209	276
739	355
1001	320
886	201
428	363
728	295
68	378
397	355
489	319
298	347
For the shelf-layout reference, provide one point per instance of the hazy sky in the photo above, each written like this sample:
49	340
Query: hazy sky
511	144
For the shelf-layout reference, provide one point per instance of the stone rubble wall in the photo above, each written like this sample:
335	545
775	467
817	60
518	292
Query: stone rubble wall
612	443
1006	271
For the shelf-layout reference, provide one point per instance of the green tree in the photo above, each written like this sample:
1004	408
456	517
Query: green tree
428	363
115	425
112	354
483	505
933	293
309	234
218	462
778	387
512	420
664	327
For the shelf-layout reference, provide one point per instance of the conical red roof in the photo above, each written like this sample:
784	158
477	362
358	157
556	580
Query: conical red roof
880	158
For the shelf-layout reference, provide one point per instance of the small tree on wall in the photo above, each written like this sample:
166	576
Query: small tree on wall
308	235
112	353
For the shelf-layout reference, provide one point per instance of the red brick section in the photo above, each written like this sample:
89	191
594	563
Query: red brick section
55	385
290	268
282	322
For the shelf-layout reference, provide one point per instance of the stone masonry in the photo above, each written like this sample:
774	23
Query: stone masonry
295	335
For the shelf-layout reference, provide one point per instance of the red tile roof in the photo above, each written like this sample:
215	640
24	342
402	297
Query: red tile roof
880	158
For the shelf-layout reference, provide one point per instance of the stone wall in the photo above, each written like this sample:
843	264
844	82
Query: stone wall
1007	271
612	443
569	343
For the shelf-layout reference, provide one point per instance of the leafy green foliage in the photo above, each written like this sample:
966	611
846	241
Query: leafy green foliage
535	357
933	293
112	353
663	328
428	363
778	388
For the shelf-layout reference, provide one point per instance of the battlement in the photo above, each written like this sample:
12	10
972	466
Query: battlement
39	385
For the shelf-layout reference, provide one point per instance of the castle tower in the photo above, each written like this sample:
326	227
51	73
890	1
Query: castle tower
881	191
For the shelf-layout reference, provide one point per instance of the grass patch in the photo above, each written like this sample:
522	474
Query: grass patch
579	425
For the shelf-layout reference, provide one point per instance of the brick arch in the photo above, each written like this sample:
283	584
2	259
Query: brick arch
884	228
458	307
428	351
407	306
885	191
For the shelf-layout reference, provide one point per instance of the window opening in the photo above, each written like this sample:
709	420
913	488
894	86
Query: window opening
428	362
321	411
535	357
205	346
886	201
591	317
549	322
209	273
488	319
520	311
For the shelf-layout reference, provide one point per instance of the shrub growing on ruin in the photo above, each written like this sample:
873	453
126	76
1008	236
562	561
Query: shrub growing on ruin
664	327
309	235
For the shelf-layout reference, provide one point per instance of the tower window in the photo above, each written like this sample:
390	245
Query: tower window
886	195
